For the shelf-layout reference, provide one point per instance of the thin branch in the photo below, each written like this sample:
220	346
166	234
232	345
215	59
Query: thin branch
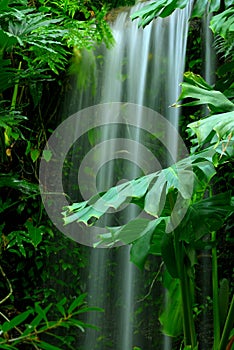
152	284
19	330
8	296
9	285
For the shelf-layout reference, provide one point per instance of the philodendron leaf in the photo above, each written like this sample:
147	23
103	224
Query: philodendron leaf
130	232
168	254
222	124
200	7
160	8
143	246
98	205
223	23
148	192
172	317
205	216
196	88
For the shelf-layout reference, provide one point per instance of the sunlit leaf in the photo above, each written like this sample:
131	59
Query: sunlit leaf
216	101
222	124
160	8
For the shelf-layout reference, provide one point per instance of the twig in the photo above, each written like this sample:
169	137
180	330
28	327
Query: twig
9	285
152	283
8	296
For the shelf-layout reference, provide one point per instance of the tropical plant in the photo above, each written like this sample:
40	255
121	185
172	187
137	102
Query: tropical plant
175	237
33	323
165	8
37	42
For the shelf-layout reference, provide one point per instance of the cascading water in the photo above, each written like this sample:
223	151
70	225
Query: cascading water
144	67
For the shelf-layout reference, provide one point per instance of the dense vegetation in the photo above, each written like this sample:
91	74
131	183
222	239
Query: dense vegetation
39	41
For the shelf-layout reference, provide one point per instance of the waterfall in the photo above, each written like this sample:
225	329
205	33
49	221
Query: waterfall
144	67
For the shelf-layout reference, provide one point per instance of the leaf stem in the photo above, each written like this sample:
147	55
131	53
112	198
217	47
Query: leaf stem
15	92
228	326
215	293
9	285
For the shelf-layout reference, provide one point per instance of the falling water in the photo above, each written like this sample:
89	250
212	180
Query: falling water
144	67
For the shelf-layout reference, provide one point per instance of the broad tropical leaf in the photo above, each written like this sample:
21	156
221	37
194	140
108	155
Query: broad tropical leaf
196	88
200	7
171	318
169	255
180	177
223	23
149	243
222	124
161	8
205	216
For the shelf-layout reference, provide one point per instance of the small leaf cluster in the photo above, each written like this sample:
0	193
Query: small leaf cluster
33	323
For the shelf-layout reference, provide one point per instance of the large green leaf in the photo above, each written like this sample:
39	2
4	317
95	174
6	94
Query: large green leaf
170	178
199	8
205	216
202	6
223	23
34	233
4	4
171	318
130	232
169	255
196	88
179	177
222	124
160	8
113	198
78	302
143	246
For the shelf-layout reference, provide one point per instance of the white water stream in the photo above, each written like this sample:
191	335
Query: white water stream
144	67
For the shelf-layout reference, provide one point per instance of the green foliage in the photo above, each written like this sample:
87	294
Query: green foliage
223	23
220	24
161	8
37	42
176	238
36	321
172	326
202	93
